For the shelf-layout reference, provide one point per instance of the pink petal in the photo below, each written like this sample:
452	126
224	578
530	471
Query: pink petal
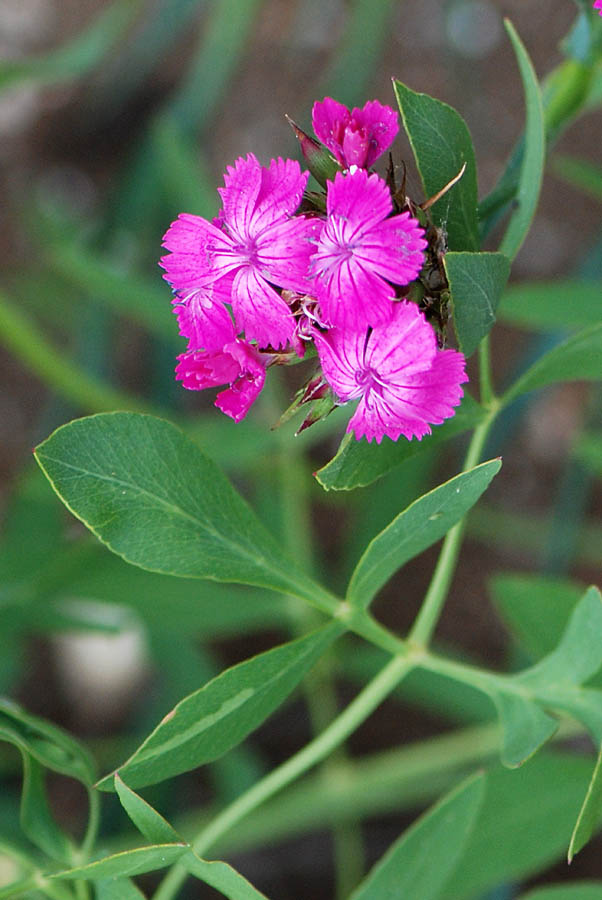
239	196
198	250
404	346
351	296
281	192
259	311
381	126
341	357
236	400
198	370
359	200
284	252
205	323
394	249
329	120
356	145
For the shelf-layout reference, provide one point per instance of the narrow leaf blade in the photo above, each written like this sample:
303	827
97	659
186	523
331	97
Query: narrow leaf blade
421	861
531	172
126	864
419	526
589	814
206	724
579	357
476	281
222	877
147	820
546	306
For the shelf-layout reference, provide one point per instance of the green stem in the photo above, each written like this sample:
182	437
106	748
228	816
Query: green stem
93	824
486	380
314	752
430	611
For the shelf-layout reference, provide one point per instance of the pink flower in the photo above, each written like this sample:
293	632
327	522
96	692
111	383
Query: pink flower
598	6
238	364
258	246
361	249
203	318
404	382
355	138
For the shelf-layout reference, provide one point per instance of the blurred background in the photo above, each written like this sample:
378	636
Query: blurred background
115	117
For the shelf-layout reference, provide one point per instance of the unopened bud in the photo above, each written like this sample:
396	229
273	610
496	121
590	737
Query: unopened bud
322	165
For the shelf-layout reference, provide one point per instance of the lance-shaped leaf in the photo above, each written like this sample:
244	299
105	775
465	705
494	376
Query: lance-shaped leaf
126	864
589	814
579	357
548	305
358	463
118	889
154	827
571	890
49	745
531	172
37	820
421	861
476	281
153	497
206	724
147	820
441	144
423	523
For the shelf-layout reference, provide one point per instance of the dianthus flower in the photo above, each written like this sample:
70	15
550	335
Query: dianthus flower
598	6
403	381
361	249
237	364
259	245
355	138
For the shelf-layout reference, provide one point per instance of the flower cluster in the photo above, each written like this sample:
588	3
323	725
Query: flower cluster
277	271
598	6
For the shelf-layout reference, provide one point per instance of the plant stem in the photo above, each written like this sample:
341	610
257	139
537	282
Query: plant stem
314	752
432	606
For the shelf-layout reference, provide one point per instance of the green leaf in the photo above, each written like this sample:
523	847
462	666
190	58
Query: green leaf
578	656
153	497
46	743
154	827
532	163
222	877
536	608
523	825
128	863
525	727
568	890
579	173
421	861
476	281
358	463
547	306
419	526
441	144
206	724
72	60
37	821
579	357
589	814
118	889
147	820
